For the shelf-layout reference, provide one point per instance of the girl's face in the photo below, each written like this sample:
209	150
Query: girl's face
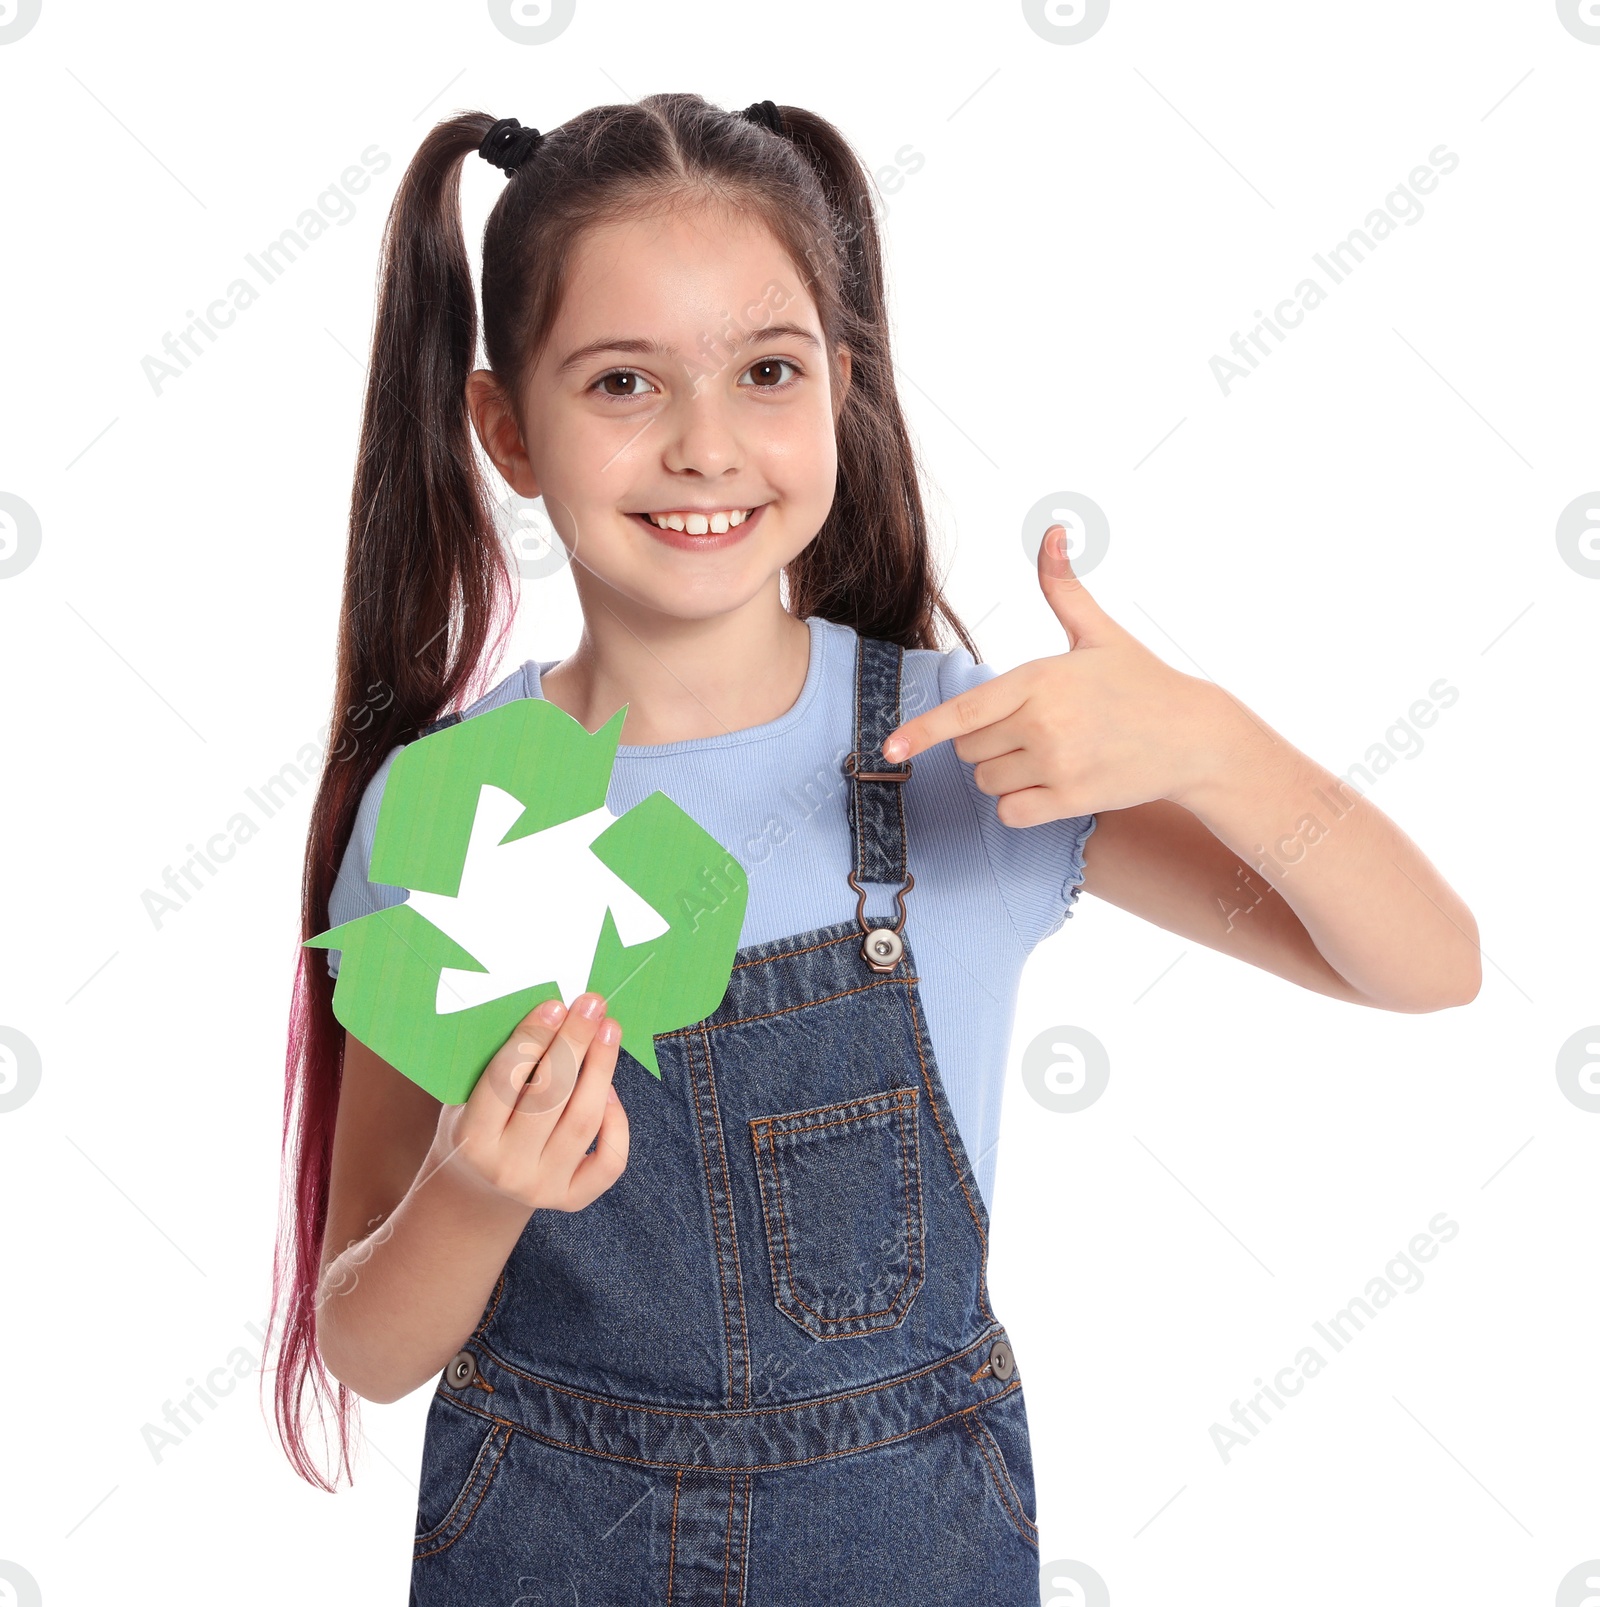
685	384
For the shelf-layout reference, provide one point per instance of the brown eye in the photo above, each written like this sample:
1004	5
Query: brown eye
767	372
628	384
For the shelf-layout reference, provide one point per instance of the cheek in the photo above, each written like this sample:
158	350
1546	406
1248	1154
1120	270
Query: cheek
795	450
570	457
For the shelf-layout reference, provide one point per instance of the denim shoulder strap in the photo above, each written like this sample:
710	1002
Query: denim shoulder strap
877	805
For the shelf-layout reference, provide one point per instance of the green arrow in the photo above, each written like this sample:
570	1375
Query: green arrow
391	960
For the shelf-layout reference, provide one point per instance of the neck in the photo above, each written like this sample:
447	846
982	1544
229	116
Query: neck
681	678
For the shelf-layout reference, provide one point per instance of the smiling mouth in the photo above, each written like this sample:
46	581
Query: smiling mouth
699	523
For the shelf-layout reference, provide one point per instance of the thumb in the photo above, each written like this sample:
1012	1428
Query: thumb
1081	616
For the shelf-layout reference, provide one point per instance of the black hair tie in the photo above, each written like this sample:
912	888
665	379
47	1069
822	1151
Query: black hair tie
766	114
508	144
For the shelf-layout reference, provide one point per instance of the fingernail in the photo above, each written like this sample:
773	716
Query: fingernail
1055	550
551	1011
894	749
610	1032
593	1007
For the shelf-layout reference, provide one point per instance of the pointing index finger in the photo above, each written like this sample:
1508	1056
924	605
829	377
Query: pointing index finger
971	710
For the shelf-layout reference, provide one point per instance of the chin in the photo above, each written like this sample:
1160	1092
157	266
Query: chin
706	600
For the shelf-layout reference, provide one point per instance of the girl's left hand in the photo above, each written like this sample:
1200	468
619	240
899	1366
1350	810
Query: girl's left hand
1105	726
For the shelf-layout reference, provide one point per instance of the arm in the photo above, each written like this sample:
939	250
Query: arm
426	1201
1187	784
1339	900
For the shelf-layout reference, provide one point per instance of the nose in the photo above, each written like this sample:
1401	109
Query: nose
701	435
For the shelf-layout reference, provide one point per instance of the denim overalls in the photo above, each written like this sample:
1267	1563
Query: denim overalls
762	1367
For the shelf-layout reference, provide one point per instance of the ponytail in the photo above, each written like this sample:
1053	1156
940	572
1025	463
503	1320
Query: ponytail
424	613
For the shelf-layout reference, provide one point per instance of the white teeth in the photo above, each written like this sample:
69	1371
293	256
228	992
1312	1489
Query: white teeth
700	524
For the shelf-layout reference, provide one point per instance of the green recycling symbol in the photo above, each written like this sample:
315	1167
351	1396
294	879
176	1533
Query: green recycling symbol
525	887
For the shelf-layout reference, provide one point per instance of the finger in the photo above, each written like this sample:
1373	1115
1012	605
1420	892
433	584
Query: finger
979	706
1080	616
581	1115
597	1172
494	1095
1032	806
1004	736
1009	772
551	1081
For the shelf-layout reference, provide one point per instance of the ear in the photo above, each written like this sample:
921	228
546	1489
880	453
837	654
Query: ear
844	381
495	421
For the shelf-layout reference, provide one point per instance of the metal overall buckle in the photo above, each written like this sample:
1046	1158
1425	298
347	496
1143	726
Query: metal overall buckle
882	946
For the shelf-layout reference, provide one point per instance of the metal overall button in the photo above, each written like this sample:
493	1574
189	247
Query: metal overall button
1001	1362
463	1368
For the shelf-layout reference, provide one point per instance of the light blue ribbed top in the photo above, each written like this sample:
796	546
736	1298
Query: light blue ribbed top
774	796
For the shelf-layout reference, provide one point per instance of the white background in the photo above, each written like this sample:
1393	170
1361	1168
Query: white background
1373	509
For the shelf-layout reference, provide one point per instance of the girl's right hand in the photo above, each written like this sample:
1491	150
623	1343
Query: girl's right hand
541	1102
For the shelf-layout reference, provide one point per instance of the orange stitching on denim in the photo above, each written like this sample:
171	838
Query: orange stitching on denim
783	1228
754	1411
733	1228
899	1106
933	1105
789	1009
494	1304
727	1535
1000	1475
672	1537
893	1094
483	1490
711	1205
467	1486
784	954
766	1220
744	1538
760	1467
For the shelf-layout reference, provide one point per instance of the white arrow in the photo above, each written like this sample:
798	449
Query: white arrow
531	911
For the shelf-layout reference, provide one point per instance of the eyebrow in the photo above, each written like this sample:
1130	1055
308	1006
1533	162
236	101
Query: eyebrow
655	348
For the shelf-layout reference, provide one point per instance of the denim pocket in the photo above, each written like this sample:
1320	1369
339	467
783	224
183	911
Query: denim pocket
999	1431
841	1196
460	1457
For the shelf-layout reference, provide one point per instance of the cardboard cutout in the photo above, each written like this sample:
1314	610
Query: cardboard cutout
524	887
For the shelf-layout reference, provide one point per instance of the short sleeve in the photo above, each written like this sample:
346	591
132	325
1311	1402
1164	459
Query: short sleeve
353	895
1040	869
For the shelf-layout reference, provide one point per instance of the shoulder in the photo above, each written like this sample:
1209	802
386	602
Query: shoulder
929	675
933	676
520	683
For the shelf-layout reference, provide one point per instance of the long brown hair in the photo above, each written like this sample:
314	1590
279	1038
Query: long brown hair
426	586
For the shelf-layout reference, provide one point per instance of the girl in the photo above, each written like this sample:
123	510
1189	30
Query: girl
726	1336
